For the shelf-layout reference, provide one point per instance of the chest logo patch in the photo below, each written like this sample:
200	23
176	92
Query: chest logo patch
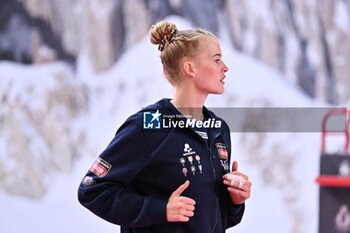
222	150
189	160
188	150
100	167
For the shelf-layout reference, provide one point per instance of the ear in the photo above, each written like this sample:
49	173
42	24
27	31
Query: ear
189	68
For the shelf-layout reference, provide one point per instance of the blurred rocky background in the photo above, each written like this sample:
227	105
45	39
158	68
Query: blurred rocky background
308	41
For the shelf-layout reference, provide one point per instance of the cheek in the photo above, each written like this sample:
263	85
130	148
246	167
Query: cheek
209	70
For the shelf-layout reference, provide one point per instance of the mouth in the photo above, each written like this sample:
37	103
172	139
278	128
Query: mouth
222	80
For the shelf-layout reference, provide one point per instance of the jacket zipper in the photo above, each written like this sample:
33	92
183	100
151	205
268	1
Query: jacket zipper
212	156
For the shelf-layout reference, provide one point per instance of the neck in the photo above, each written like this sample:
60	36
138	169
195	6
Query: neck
188	102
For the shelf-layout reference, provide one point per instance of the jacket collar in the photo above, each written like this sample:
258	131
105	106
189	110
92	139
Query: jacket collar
168	108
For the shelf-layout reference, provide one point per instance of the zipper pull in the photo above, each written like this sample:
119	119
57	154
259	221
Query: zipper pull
211	154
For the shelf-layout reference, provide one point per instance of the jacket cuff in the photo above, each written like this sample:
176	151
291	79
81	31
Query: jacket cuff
235	214
157	212
238	208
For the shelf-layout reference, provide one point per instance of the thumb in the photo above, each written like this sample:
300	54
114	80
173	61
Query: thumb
235	166
180	189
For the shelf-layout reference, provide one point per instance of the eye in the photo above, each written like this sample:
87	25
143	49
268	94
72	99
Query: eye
218	60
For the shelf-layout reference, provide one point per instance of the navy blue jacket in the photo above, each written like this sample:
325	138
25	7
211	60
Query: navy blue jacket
130	182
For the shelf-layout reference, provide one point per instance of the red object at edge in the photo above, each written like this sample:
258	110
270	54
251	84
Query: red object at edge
333	181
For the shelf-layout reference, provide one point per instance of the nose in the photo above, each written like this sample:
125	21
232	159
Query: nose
225	68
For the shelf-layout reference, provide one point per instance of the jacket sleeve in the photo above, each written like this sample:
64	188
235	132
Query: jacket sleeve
108	193
235	214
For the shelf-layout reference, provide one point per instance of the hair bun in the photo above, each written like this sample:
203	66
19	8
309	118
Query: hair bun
162	32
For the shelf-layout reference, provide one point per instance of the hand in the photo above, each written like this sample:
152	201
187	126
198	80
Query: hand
180	208
238	195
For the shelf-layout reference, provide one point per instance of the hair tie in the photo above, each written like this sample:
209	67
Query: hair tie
166	38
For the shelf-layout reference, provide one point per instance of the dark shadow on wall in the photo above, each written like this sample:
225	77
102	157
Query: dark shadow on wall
22	36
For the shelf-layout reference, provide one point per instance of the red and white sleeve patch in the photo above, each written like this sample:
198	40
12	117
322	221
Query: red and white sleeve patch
100	167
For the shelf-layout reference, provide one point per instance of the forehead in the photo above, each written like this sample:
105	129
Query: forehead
210	47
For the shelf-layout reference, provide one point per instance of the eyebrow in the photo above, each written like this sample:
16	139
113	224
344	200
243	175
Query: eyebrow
218	54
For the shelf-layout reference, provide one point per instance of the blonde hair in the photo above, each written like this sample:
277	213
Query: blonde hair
176	45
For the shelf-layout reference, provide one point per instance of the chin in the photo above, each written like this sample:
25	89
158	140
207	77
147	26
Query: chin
218	92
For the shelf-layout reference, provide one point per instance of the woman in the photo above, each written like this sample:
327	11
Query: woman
167	169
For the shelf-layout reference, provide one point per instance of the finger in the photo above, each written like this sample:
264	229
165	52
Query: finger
187	201
246	188
227	176
235	166
184	219
227	182
187	213
238	192
240	174
234	185
190	207
180	189
235	179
